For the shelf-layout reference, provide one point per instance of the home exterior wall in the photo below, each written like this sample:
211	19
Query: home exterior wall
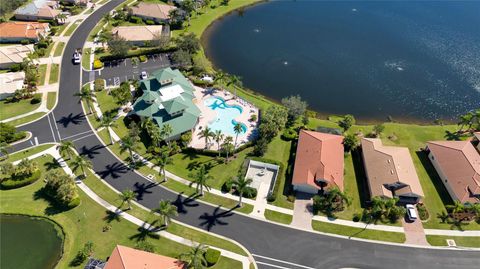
442	176
305	188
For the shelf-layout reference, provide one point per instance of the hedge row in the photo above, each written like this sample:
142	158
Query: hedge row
16	182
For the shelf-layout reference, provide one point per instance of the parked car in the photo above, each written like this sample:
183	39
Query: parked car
411	212
143	75
76	57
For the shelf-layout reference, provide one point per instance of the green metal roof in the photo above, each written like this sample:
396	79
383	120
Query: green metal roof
150	96
175	105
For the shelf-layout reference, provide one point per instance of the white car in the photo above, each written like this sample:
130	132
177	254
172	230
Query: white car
411	212
76	57
143	75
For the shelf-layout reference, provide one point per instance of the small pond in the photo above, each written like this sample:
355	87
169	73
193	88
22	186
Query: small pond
29	243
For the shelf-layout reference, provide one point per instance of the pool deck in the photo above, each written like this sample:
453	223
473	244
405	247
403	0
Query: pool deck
208	115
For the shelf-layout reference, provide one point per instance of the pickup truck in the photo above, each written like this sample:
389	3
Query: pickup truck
76	57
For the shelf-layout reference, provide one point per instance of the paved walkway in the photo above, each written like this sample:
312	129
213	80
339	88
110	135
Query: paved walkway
302	211
54	153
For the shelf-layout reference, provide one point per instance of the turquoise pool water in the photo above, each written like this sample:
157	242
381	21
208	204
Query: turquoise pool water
226	114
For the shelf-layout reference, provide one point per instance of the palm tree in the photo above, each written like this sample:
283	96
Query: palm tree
127	196
108	122
219	77
228	146
166	211
81	162
200	178
66	147
443	216
129	144
235	81
242	185
218	137
466	119
153	131
337	199
88	97
166	131
162	161
195	257
4	147
237	129
103	37
207	134
107	18
26	167
457	207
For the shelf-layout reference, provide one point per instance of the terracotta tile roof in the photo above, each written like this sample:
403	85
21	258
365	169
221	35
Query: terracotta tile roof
319	157
17	29
129	258
460	163
138	33
154	10
389	167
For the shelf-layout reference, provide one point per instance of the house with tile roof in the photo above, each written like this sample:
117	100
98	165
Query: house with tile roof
458	166
390	171
168	98
142	34
130	258
318	162
156	12
37	10
16	31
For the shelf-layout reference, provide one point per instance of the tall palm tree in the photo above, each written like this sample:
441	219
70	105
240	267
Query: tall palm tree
218	137
228	146
4	147
195	257
81	162
88	97
236	82
237	128
219	77
166	131
26	167
166	211
207	134
466	120
153	131
66	147
242	185
127	196
200	178
162	161
129	144
108	122
336	198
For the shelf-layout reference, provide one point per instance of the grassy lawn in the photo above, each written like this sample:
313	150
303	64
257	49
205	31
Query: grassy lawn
85	223
72	28
51	99
27	119
278	217
42	70
53	74
280	150
61	28
9	110
110	196
48	50
59	49
106	102
464	241
357	232
16	156
86	58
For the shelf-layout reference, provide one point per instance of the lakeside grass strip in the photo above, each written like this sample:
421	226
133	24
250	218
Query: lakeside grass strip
51	100
59	49
463	241
54	69
358	232
9	110
27	119
278	216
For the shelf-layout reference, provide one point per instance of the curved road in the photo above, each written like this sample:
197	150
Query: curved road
300	249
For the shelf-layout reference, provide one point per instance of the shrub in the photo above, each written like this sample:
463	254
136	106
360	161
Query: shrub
135	19
250	192
253	117
35	100
99	50
98	85
83	254
422	211
289	134
42	44
212	256
15	67
97	64
201	83
149	22
227	186
9	134
142	58
20	181
25	42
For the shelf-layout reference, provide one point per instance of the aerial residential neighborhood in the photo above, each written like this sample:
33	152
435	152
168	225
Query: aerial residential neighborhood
245	134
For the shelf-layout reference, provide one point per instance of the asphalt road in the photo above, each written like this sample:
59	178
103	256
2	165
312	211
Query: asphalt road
273	246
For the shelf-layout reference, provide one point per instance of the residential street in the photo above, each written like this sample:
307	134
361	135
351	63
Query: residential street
275	246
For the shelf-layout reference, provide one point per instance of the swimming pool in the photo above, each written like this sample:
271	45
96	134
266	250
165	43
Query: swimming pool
226	114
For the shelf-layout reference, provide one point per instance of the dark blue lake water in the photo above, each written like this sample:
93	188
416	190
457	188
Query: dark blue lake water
414	61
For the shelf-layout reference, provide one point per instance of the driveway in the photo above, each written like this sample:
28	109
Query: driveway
116	72
414	233
302	211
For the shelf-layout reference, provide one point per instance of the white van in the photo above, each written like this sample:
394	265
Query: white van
411	212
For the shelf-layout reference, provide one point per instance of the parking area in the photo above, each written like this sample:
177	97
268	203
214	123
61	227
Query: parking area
118	71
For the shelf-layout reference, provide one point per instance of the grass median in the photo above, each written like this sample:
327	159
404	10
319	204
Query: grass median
54	69
59	49
27	119
462	241
51	100
12	109
278	217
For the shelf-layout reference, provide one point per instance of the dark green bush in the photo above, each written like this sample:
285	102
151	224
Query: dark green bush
42	44
289	134
9	134
201	83
135	19
227	186
149	22
25	42
98	85
74	203
17	182
212	256
142	58
15	67
35	100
